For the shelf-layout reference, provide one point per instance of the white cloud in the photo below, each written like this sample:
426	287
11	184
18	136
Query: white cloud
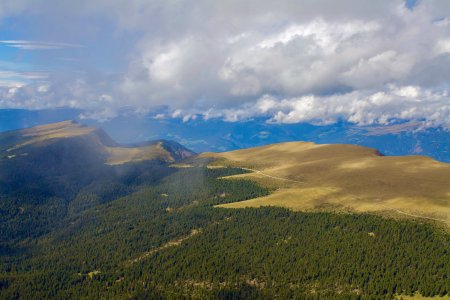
18	79
362	107
443	46
36	45
309	60
10	85
326	35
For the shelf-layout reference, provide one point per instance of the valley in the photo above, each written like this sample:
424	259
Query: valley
84	217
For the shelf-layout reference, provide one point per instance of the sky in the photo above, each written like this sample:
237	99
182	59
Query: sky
318	61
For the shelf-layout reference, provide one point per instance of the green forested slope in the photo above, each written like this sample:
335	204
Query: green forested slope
165	240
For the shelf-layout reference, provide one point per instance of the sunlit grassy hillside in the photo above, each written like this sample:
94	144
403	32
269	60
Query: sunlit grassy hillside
309	176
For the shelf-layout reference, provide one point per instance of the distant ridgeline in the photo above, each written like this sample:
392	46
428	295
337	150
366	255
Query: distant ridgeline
83	217
399	138
407	138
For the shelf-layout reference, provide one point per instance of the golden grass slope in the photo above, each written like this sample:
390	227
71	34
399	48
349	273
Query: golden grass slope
121	155
309	176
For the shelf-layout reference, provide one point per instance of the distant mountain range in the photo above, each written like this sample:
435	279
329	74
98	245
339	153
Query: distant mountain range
402	138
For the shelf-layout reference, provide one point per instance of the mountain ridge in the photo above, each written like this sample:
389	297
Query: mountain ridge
216	135
100	141
52	171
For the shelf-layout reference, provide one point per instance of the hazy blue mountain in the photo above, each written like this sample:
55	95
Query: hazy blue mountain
217	135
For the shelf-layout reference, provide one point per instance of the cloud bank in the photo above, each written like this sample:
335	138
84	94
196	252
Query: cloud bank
292	61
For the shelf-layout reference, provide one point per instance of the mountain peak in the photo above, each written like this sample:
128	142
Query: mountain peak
72	135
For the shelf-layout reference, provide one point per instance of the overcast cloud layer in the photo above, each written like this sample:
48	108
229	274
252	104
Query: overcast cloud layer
318	61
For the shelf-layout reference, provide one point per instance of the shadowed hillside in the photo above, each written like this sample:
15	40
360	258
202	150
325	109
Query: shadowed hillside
50	171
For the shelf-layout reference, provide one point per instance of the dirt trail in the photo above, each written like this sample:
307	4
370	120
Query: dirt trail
270	176
384	206
413	215
169	244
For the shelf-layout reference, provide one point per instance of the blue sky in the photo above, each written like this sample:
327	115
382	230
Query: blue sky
365	62
411	3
